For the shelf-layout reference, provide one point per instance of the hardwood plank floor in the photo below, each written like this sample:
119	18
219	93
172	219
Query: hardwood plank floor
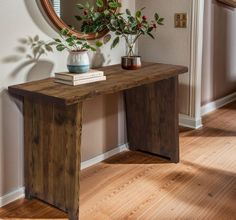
134	185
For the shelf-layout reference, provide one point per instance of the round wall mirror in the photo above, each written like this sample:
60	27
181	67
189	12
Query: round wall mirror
63	14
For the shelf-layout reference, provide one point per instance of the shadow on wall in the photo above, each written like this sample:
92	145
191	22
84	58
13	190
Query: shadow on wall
29	52
38	69
34	69
98	59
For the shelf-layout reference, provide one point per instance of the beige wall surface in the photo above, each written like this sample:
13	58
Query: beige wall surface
219	52
104	121
172	45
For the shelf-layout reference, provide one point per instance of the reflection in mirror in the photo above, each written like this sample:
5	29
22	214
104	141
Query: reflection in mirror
67	10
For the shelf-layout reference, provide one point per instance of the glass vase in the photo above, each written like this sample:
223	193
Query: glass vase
131	61
131	46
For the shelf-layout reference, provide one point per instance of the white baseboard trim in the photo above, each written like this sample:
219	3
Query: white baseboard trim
104	156
12	196
212	106
189	122
20	193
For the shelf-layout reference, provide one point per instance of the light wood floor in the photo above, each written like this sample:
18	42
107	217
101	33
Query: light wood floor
134	186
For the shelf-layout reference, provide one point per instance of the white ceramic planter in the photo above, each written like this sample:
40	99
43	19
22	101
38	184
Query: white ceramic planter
78	61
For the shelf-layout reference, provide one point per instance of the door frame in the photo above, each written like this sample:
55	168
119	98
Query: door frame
197	29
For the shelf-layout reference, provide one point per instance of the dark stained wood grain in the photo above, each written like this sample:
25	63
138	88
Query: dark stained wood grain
52	153
152	118
117	80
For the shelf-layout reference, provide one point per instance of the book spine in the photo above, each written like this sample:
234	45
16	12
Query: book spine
80	82
79	77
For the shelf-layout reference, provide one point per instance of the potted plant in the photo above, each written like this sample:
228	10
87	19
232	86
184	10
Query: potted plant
124	25
78	59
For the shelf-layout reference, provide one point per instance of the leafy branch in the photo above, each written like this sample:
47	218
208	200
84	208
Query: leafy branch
72	42
122	24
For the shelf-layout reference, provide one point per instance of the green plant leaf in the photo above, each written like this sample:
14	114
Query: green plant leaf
60	47
71	44
57	40
69	40
118	33
156	17
115	42
128	12
80	6
65	32
160	21
132	20
99	43
74	37
87	5
114	23
114	5
138	14
96	16
92	48
151	35
106	12
107	38
100	3
150	29
79	42
78	17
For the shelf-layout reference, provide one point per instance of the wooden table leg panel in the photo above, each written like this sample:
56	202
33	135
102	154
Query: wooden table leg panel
152	118
52	153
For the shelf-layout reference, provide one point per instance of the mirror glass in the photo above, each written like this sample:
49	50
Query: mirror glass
66	10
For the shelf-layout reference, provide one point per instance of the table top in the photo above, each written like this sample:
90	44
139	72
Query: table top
117	80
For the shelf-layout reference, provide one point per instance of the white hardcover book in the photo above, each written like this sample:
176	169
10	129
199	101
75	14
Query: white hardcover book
80	82
73	77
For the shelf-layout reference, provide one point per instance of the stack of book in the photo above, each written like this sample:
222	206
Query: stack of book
79	79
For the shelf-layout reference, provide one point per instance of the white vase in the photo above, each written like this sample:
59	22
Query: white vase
78	61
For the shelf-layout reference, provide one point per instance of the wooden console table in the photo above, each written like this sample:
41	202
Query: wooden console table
53	124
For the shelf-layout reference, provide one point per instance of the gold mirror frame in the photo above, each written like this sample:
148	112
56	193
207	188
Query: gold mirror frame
60	24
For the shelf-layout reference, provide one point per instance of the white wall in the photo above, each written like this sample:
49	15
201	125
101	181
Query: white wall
20	19
219	53
172	45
